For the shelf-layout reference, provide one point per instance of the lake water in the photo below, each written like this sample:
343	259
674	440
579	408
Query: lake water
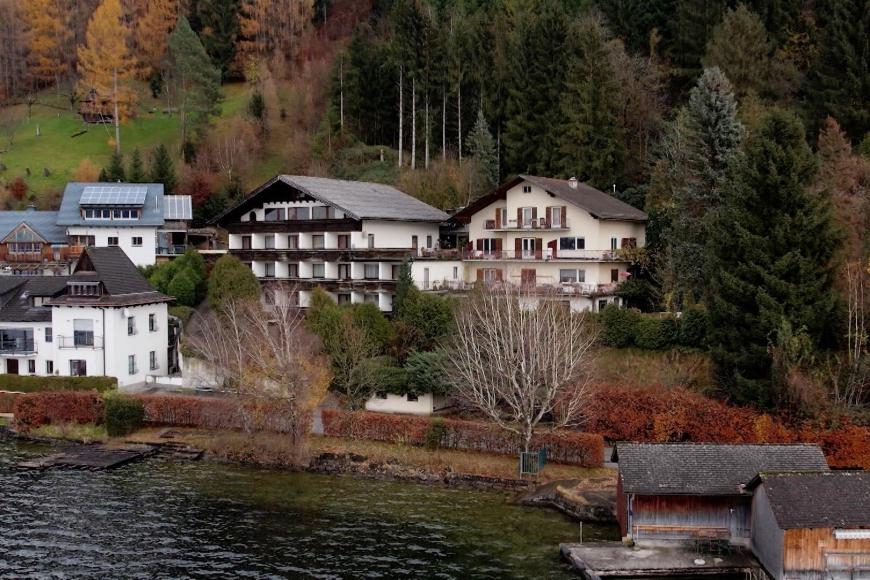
165	518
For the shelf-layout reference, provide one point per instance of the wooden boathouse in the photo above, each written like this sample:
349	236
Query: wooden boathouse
679	492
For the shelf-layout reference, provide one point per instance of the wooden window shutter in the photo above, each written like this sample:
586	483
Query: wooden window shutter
614	275
539	248
548	215
480	274
480	244
623	243
518	247
497	244
534	213
564	215
519	216
498	277
497	218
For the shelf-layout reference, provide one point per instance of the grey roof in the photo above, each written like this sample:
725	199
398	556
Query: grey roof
707	469
177	207
357	199
43	223
601	205
17	305
70	213
832	499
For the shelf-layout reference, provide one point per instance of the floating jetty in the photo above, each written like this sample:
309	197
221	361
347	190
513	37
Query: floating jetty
599	560
89	458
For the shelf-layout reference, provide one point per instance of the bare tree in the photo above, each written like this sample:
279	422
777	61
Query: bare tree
851	389
521	358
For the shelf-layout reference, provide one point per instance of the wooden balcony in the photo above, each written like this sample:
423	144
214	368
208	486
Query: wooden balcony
293	226
325	254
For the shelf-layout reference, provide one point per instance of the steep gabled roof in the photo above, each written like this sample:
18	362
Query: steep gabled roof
826	499
43	223
357	199
70	212
707	469
17	306
599	204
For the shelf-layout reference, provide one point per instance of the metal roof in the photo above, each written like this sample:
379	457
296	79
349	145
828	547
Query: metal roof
113	195
357	199
177	207
70	206
828	499
44	223
706	468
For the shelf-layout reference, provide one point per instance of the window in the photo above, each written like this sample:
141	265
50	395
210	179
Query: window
371	240
613	242
614	275
425	278
382	394
395	270
269	241
84	289
252	217
319	212
318	270
412	398
344	298
371	298
31	366
49	367
428	241
152	323
527	189
273	214
269	270
602	304
131	325
152	360
298	213
24	247
48	335
371	272
490	275
455	272
581	276
113	241
318	242
343	241
78	368
246	242
489	245
83	332
137	241
581	243
556	217
131	364
572	243
293	242
527	216
414	242
344	271
567	276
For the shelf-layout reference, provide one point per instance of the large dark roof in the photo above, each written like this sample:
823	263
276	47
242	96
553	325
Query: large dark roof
832	499
599	204
357	199
17	304
706	469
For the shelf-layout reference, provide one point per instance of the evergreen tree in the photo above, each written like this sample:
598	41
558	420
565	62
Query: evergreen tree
163	169
194	79
540	59
772	246
217	23
482	148
404	286
693	23
104	176
591	145
839	82
230	279
115	170
706	137
635	21
740	48
136	173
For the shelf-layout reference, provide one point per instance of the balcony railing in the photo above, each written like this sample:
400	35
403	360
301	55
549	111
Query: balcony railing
533	224
81	339
557	290
17	346
536	254
175	250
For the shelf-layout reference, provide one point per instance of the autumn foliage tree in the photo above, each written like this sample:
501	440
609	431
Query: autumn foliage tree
46	32
152	34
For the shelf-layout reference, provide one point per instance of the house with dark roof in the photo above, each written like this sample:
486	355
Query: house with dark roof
812	525
559	237
697	491
102	320
346	237
32	244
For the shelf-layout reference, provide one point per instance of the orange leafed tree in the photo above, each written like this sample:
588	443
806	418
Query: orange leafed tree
47	33
156	19
105	62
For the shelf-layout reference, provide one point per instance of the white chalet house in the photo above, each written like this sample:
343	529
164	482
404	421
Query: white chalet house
347	237
102	320
137	217
561	238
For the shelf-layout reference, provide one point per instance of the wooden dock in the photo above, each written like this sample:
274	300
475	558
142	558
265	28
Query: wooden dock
89	458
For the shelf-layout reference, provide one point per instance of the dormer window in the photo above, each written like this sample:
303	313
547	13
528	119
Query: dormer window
111	214
91	289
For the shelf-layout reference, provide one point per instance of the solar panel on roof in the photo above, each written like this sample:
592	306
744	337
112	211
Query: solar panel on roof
177	207
114	195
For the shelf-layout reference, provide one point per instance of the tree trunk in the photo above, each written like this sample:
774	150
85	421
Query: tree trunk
459	117
341	93
444	126
401	111
117	120
414	123
426	162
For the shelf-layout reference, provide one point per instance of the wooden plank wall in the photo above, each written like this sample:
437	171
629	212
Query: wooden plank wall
805	549
692	511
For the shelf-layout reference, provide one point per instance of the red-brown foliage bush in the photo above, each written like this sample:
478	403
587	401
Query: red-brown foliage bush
18	188
7	401
563	446
217	413
33	410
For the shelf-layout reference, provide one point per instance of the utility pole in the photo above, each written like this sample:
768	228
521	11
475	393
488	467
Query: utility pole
341	91
117	120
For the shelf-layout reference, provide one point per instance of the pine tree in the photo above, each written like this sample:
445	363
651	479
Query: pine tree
482	148
47	31
115	170
740	48
194	80
136	172
772	246
217	23
591	144
152	34
163	169
404	287
839	82
693	23
105	60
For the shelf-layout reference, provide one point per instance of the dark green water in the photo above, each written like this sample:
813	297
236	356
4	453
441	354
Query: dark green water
171	519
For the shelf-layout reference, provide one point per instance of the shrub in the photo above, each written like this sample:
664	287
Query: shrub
655	333
124	414
7	401
693	328
619	326
563	446
435	434
28	384
252	415
36	409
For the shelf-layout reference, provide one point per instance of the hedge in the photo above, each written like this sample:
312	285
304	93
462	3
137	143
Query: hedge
624	327
218	413
33	410
563	446
7	401
124	414
33	384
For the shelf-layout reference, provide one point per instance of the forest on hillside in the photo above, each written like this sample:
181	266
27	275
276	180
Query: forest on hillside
741	128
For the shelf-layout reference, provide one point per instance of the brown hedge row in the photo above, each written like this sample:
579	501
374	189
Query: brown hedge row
7	401
218	413
563	446
33	410
34	384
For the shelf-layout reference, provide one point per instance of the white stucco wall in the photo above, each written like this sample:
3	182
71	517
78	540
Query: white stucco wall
439	273
395	234
425	404
143	255
44	350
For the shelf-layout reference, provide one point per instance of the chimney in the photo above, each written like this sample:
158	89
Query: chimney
31	206
573	182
